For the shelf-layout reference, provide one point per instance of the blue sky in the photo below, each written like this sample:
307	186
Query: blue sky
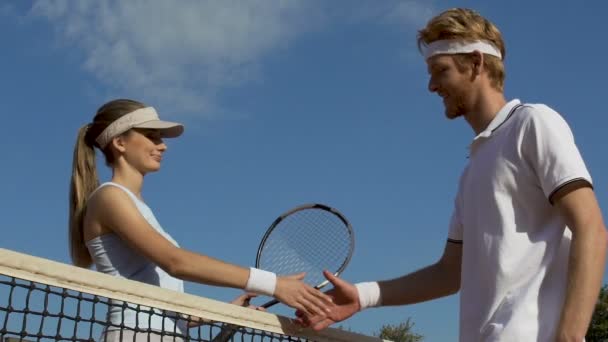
284	102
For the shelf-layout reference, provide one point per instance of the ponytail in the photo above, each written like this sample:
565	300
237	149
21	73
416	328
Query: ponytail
84	181
84	172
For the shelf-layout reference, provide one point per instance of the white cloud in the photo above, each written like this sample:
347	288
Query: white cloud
182	53
411	13
406	14
177	52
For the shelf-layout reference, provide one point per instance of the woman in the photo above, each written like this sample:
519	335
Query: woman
112	228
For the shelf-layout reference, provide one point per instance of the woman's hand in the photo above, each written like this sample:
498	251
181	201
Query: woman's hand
292	291
244	300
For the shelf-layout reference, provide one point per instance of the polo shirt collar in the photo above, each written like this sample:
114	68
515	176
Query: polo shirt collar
503	114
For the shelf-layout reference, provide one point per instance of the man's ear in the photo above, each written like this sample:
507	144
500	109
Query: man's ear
477	65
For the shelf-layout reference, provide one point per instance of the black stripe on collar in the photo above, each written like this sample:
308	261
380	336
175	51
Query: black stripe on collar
513	110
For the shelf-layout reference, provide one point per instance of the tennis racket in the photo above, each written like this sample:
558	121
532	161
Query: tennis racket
309	238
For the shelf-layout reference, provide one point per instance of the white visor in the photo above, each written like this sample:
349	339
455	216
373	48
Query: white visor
455	46
140	118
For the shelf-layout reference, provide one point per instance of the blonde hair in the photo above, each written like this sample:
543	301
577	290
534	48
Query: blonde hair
466	24
84	172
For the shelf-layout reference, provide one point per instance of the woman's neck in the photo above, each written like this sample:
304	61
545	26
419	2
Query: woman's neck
128	177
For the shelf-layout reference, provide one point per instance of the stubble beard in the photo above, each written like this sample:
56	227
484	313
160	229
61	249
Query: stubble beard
455	109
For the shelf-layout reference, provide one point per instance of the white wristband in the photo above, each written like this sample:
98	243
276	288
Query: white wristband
369	294
262	282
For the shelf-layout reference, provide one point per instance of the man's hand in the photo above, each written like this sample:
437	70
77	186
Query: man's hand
345	304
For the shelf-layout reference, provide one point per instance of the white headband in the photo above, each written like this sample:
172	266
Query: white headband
140	118
454	46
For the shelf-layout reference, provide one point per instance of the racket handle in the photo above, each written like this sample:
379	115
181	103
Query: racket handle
269	304
230	330
226	334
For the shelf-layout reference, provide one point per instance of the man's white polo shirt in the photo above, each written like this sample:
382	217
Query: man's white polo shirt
515	244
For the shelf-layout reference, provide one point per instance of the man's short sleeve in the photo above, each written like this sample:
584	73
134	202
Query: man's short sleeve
548	147
455	233
456	229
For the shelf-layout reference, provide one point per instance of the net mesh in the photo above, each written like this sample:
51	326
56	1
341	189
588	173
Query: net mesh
42	300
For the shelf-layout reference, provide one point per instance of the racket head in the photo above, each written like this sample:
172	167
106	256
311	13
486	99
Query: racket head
309	238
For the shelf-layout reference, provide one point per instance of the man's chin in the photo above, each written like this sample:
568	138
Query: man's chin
453	114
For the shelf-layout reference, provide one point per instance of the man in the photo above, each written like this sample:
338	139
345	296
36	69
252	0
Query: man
526	243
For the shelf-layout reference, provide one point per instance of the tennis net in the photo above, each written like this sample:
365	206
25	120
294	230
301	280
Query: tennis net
44	300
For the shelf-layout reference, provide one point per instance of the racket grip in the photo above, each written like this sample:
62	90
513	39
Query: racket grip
269	304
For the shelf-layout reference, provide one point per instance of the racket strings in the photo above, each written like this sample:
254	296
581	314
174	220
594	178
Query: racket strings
307	241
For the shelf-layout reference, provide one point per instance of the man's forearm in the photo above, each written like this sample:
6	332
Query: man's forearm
585	272
431	282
